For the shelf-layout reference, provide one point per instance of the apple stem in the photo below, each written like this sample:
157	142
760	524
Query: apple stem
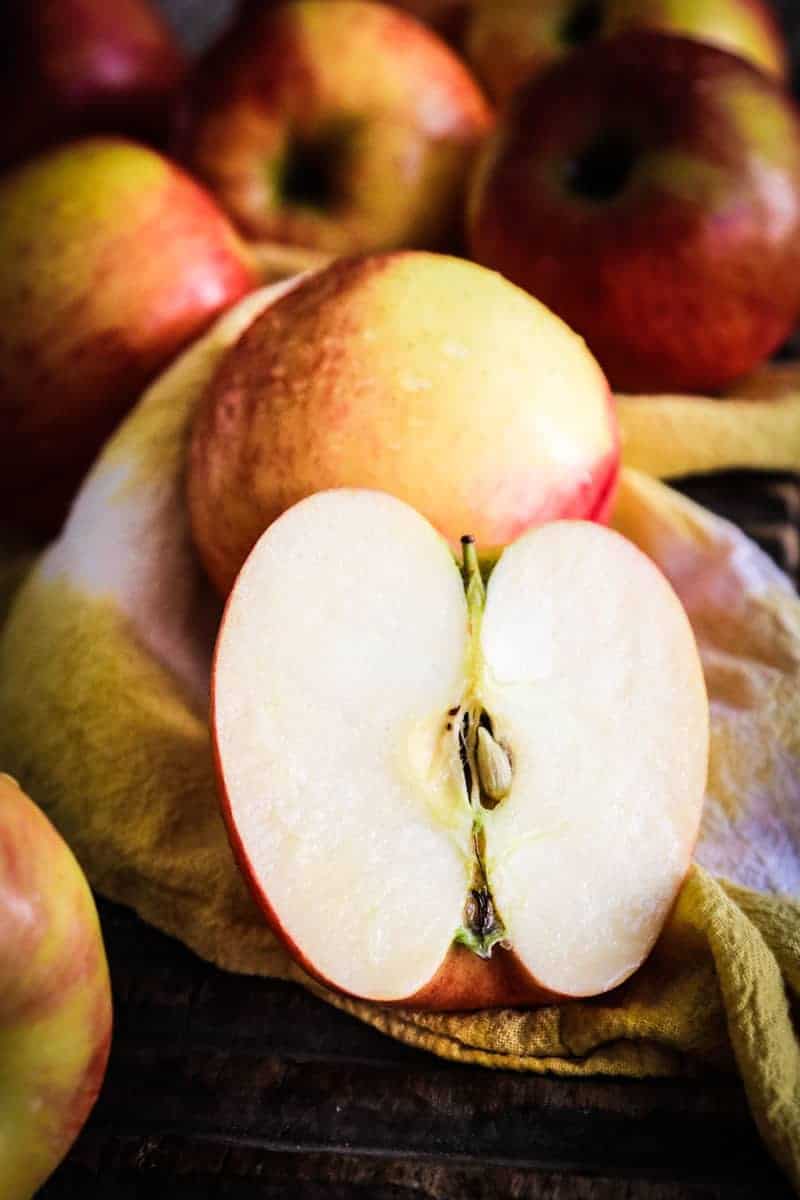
471	571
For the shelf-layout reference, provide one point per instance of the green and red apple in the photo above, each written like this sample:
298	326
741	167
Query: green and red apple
413	373
75	67
509	41
113	259
55	997
343	127
491	795
647	190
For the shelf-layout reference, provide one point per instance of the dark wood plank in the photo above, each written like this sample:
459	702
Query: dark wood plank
225	1171
209	1068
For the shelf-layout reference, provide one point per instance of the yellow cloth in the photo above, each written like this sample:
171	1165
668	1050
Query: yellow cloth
103	694
758	426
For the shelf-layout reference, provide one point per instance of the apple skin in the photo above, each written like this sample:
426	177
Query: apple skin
648	191
55	997
508	43
384	372
447	17
76	67
342	127
113	259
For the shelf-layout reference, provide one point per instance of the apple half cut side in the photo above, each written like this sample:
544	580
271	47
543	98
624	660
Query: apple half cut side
451	797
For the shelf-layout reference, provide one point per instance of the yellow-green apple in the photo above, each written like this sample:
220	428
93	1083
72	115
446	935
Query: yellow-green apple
112	260
343	127
55	998
493	795
414	373
74	67
648	190
509	41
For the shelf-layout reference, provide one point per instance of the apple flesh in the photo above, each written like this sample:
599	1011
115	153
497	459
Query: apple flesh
113	259
75	67
451	798
55	997
648	191
509	42
413	373
341	127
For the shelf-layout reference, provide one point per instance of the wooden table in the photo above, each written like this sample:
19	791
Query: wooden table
232	1088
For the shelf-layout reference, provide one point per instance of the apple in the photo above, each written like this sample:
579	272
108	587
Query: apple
75	67
413	373
509	41
448	797
343	127
648	190
113	259
447	17
55	998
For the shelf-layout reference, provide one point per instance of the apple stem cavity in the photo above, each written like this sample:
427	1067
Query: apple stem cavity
583	23
601	171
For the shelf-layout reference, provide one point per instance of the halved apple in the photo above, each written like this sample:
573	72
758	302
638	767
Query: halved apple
451	797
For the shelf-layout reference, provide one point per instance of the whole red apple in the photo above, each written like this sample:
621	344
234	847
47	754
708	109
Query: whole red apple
73	67
510	41
55	998
648	190
342	127
112	260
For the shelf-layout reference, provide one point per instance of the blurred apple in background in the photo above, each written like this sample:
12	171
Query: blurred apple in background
648	191
55	999
112	260
509	41
414	373
341	126
447	17
73	67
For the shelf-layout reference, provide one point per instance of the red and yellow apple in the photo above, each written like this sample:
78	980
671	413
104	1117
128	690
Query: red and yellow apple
492	796
342	127
74	67
509	41
55	997
413	373
648	191
113	259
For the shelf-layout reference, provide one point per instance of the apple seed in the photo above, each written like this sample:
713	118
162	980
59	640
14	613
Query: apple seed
494	767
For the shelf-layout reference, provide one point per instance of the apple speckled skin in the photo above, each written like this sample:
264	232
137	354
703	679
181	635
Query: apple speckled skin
342	127
82	67
55	996
508	43
648	191
414	373
113	260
